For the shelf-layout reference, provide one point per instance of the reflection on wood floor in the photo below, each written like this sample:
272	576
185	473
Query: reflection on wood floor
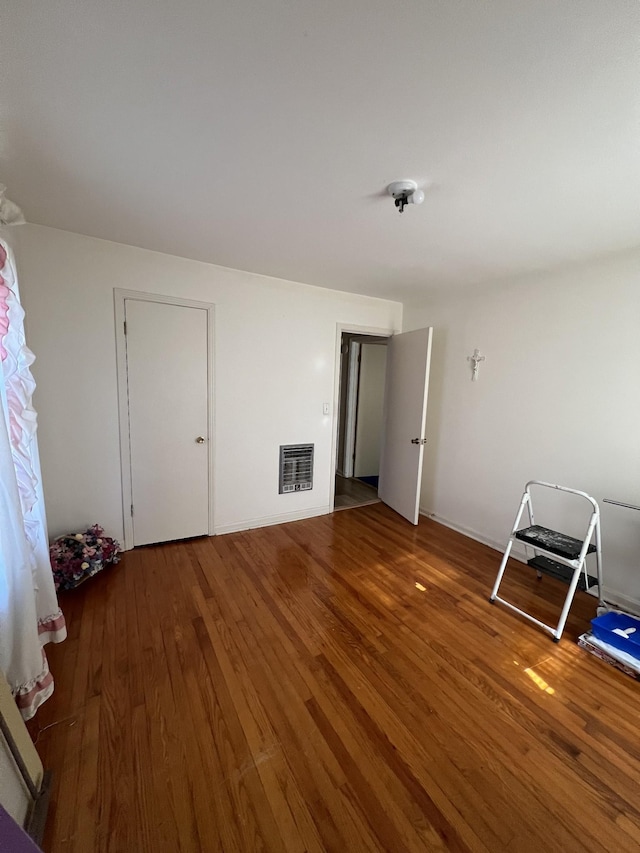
351	493
334	684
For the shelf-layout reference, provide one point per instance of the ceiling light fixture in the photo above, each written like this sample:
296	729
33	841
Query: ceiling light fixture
404	193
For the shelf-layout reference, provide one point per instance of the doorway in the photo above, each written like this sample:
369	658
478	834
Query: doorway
363	360
404	409
165	369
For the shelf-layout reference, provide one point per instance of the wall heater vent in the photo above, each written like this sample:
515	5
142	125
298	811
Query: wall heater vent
296	467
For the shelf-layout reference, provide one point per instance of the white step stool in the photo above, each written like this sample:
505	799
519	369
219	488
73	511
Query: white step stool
555	554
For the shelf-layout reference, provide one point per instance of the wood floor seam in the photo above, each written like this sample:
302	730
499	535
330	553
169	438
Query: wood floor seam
334	684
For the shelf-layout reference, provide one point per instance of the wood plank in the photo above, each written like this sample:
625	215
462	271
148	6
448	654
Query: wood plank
340	683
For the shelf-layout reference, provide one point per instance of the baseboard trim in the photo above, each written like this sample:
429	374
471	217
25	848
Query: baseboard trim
612	598
269	520
516	553
624	602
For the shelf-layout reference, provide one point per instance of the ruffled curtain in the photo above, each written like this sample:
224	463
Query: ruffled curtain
29	613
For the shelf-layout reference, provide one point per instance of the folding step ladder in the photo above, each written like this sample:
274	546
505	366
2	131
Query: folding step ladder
555	554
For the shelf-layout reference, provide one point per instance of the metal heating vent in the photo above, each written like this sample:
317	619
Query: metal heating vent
296	467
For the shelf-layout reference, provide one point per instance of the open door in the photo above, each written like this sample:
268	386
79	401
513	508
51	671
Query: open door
405	414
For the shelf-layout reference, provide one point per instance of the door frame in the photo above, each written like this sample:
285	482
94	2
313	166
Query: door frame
119	297
350	328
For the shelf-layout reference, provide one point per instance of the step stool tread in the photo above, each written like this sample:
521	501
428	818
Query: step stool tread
560	572
552	541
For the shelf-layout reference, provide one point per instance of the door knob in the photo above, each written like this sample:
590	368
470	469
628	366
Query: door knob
200	439
418	441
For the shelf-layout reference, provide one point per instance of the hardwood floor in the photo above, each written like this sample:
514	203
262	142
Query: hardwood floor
336	684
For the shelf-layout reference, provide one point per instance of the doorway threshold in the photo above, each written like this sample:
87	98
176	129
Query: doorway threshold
351	493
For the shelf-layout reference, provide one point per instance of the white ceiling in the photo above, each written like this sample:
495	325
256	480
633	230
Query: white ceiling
261	135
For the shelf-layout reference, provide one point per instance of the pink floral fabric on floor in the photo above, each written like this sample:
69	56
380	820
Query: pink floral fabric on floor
29	613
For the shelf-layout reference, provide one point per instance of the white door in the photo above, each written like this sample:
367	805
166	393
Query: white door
167	363
405	410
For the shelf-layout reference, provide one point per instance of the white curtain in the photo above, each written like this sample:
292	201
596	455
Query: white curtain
29	613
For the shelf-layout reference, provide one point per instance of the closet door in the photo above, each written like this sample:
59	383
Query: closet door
167	383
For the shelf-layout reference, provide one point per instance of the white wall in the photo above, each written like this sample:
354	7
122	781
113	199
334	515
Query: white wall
373	367
275	352
557	399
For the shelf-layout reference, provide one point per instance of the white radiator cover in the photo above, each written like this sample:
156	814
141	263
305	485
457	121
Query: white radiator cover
14	796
